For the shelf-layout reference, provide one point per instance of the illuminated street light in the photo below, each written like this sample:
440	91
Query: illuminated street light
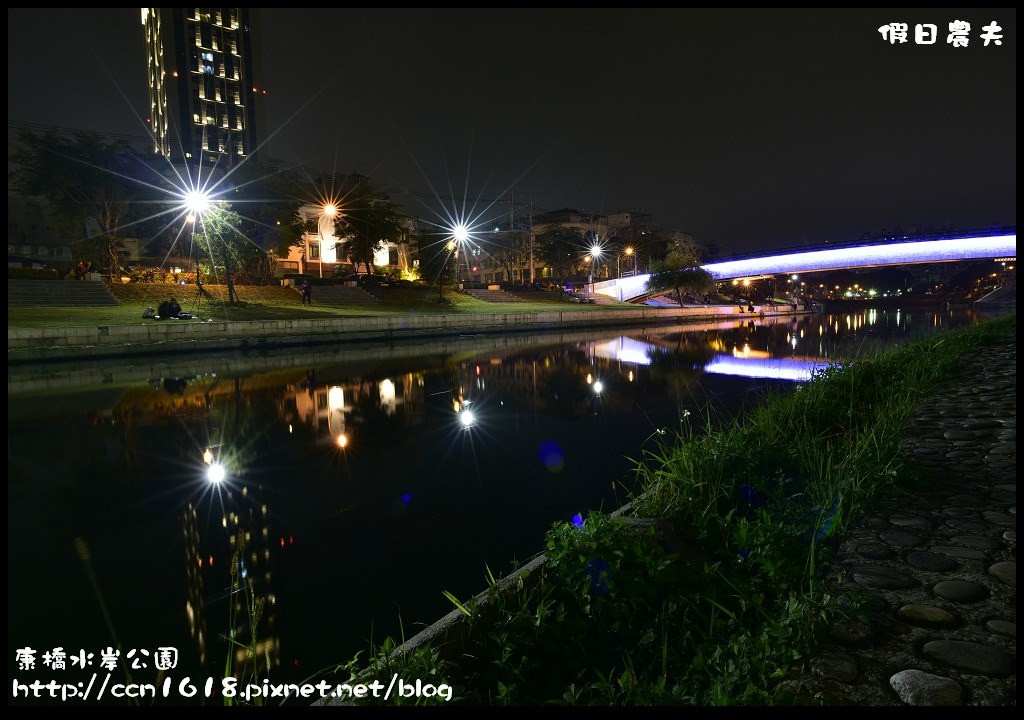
208	456
467	418
630	252
329	210
215	473
598	387
196	202
595	253
342	440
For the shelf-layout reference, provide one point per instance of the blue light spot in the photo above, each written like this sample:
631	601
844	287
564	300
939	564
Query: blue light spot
577	520
406	497
551	455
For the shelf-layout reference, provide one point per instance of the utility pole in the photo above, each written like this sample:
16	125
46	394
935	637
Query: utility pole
529	229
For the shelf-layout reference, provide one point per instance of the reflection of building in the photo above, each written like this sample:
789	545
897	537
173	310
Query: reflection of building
235	553
331	408
203	89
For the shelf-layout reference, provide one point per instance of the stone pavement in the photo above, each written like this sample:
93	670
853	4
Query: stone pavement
939	561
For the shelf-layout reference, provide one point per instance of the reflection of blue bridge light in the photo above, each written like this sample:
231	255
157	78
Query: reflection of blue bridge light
771	368
624	349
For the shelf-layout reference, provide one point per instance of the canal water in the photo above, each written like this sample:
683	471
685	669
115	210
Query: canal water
313	501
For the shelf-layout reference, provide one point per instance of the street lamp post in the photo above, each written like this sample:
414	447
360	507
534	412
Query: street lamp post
196	202
460	233
328	211
595	253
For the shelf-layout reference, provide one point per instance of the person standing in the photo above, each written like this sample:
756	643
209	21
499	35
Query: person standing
307	292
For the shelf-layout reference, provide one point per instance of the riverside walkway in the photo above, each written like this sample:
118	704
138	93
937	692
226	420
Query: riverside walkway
28	344
939	561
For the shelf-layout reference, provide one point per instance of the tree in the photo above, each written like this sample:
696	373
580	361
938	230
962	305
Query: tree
90	185
437	261
511	250
680	273
562	249
370	220
254	210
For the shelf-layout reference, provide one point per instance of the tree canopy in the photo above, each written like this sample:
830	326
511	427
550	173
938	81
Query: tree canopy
369	220
95	188
680	273
562	249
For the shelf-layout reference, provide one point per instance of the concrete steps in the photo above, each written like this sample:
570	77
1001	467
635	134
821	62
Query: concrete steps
58	293
497	296
341	295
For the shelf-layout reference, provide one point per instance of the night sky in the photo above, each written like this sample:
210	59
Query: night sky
749	129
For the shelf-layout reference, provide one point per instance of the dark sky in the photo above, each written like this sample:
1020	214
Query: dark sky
751	129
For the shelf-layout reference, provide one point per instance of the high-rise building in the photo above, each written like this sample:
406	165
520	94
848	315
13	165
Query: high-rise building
202	65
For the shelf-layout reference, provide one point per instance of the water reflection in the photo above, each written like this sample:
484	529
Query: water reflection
354	492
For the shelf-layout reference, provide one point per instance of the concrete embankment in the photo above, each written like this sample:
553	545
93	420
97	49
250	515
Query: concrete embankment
29	344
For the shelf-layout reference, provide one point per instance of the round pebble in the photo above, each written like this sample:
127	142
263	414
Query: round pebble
911	521
916	687
1010	535
960	552
882	577
852	634
1005	571
1002	627
875	551
936	562
926	616
966	524
1000	519
835	666
970	657
901	538
978	543
960	591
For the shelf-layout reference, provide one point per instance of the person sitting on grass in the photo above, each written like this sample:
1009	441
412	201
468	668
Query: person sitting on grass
169	309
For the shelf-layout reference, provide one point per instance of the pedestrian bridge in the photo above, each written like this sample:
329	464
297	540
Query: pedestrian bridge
906	252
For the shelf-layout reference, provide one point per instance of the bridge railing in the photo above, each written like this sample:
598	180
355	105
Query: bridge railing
891	239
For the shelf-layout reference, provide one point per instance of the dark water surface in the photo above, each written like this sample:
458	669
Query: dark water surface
356	485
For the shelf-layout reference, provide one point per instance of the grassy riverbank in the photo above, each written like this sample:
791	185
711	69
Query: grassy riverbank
711	592
281	303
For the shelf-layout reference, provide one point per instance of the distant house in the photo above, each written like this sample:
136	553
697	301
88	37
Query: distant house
32	241
321	250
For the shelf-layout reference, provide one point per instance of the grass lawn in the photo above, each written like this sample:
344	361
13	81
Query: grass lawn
279	303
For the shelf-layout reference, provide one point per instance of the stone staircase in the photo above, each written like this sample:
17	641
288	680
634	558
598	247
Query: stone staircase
59	293
342	295
496	296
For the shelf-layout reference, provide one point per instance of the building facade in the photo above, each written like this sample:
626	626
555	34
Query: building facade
202	70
